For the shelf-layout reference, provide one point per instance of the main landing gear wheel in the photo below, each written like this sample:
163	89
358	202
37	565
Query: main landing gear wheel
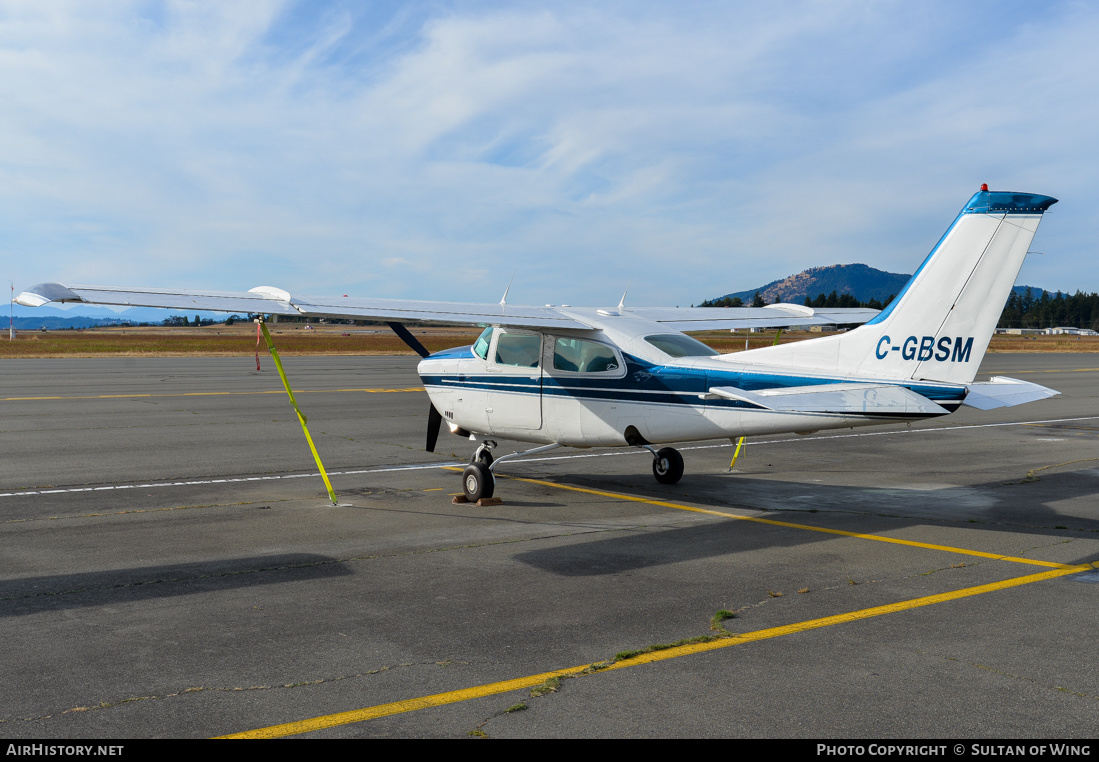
668	465
478	482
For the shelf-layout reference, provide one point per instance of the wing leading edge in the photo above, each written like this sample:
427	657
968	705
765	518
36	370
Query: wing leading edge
274	301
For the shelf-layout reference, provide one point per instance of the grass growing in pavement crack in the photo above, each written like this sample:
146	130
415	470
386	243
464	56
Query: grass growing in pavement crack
550	686
554	684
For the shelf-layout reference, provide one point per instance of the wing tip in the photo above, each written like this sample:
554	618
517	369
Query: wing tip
44	293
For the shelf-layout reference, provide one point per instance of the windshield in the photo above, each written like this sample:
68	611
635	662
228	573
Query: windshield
678	345
480	347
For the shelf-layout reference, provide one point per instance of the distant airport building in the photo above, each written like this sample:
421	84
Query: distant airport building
1067	330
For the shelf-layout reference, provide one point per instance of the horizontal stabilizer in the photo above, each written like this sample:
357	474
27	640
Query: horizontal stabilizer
1001	391
867	399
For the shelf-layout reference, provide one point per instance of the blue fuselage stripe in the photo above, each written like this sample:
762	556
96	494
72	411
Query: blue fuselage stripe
670	385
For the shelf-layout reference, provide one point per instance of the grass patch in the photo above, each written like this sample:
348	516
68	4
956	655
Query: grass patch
550	686
719	617
624	655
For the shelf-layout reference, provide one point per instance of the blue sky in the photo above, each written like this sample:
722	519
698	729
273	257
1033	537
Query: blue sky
430	150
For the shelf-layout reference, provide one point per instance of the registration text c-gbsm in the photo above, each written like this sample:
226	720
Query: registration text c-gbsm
926	348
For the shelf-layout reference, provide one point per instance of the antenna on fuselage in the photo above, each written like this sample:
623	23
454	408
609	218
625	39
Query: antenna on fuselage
504	298
622	301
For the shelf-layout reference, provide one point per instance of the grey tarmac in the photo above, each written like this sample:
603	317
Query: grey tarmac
171	566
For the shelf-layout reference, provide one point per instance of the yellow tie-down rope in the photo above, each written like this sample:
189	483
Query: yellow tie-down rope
740	442
294	403
736	452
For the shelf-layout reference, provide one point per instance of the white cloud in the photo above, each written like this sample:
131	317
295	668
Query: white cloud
429	153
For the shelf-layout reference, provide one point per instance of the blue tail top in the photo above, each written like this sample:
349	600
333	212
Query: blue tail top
984	202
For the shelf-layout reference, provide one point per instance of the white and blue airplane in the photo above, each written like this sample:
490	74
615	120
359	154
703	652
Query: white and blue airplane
629	377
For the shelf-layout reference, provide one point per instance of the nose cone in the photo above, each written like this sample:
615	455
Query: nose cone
429	371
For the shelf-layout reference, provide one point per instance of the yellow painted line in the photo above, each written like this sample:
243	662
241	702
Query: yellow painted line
791	525
400	707
491	689
853	616
212	394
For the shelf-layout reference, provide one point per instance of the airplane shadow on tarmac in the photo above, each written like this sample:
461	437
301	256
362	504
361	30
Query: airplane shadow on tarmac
1016	507
32	595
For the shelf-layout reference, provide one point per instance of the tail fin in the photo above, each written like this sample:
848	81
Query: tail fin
939	325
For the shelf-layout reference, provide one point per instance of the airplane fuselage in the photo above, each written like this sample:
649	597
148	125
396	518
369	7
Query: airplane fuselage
582	389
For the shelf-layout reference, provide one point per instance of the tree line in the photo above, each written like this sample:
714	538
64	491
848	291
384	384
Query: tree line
1049	310
1023	310
833	299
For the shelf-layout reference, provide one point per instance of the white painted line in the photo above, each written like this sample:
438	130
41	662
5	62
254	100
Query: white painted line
609	453
226	480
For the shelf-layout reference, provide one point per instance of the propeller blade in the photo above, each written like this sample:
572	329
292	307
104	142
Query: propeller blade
434	421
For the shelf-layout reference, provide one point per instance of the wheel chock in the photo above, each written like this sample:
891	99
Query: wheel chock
482	503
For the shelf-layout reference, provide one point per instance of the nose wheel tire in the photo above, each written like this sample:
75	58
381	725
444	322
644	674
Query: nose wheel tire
668	465
478	482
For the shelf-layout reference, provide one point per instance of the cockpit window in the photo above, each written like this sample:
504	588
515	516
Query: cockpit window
581	356
480	347
522	349
678	345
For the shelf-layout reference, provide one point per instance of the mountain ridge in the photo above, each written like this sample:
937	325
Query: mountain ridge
860	281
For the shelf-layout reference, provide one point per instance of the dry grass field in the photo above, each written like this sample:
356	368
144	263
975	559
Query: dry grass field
294	339
223	341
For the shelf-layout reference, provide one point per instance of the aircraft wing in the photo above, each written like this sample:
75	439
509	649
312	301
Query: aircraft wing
865	399
1000	391
215	301
274	301
779	315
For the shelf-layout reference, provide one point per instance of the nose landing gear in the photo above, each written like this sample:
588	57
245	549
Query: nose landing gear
478	481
